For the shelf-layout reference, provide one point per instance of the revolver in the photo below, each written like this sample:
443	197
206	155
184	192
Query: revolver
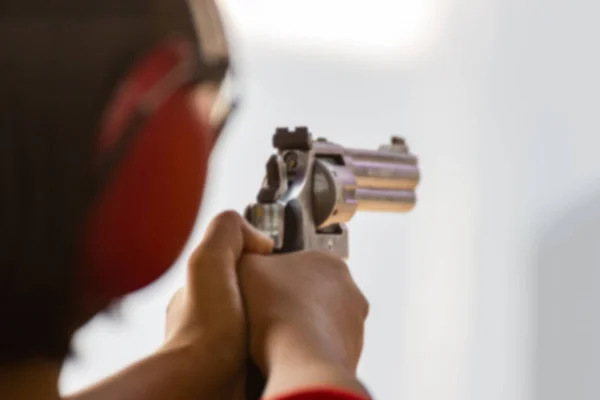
314	187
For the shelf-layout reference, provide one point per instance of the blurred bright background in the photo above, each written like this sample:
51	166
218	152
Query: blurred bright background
489	289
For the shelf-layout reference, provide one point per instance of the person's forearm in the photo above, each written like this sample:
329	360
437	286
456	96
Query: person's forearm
174	373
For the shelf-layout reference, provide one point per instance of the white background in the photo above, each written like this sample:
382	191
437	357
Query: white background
490	288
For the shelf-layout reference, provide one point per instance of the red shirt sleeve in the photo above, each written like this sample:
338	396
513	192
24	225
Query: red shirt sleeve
322	394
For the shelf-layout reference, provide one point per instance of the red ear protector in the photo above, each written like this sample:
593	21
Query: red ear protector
153	152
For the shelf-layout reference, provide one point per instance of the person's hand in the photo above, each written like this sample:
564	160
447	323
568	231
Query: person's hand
306	318
207	315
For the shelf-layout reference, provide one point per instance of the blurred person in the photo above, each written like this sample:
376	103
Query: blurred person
106	127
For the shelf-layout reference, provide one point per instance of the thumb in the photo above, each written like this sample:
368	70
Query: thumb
212	266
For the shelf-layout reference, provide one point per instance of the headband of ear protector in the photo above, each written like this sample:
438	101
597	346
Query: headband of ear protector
153	152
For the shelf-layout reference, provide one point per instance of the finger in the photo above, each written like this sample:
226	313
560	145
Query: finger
227	238
230	235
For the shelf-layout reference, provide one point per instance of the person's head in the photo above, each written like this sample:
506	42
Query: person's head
106	125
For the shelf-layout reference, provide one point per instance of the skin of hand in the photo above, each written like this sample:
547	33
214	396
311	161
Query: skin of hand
306	317
205	351
209	312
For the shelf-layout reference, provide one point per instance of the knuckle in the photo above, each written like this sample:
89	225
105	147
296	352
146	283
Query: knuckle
340	266
228	218
366	306
329	259
361	301
222	229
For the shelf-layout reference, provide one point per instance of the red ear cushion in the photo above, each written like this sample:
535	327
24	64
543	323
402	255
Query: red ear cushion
145	215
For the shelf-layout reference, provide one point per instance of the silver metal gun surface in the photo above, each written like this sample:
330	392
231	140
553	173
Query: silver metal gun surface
312	188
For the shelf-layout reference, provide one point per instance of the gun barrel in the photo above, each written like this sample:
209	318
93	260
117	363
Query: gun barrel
386	168
385	200
383	175
385	179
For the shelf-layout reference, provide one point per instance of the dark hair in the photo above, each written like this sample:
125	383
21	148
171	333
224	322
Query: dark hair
59	64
